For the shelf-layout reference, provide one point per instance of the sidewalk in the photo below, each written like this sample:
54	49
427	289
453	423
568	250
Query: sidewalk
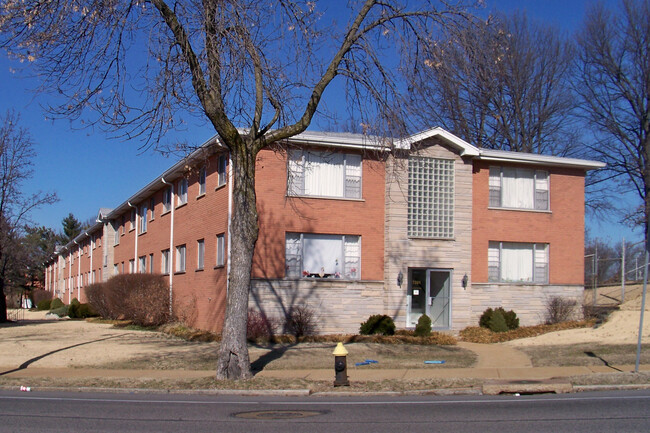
358	374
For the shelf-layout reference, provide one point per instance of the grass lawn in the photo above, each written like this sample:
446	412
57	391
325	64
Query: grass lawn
203	356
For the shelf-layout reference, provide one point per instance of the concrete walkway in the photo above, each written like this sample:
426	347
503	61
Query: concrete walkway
497	356
360	374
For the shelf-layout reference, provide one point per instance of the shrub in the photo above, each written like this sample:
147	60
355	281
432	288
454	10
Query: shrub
61	311
378	324
423	328
559	310
259	327
39	296
510	317
44	304
73	307
141	298
301	321
498	322
85	310
484	321
56	303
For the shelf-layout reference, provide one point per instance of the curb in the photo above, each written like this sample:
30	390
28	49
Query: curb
227	392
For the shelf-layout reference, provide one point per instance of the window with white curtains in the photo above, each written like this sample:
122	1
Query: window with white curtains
311	255
519	188
324	174
515	262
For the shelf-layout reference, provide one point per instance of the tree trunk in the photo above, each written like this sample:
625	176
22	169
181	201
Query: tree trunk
3	303
233	360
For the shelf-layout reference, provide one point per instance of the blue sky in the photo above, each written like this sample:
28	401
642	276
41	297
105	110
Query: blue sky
88	170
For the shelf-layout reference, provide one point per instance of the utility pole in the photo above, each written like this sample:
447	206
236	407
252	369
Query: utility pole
623	271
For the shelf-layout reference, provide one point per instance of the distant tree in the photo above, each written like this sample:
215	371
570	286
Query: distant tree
614	90
262	66
16	160
72	227
38	244
503	84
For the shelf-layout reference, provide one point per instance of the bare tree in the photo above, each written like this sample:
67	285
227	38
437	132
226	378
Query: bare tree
262	66
501	84
16	155
614	88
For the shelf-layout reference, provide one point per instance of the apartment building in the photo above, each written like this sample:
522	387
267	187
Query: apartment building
351	226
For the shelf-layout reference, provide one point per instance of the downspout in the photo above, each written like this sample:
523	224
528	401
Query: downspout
135	252
171	245
229	218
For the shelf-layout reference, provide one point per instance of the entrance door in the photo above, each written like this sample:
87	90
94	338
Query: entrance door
430	294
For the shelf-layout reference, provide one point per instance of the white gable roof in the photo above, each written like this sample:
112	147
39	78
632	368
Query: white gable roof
463	147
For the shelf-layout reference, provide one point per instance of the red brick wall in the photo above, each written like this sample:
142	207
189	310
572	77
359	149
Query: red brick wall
279	214
562	228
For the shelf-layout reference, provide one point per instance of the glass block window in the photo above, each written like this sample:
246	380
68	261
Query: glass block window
430	198
516	262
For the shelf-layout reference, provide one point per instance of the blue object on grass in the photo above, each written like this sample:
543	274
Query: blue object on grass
371	361
361	363
434	362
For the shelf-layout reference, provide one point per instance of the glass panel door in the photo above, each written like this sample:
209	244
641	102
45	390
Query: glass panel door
439	285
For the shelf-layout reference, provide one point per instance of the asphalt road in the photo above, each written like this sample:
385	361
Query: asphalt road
101	412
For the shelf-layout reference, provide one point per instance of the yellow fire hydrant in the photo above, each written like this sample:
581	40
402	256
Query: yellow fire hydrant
340	366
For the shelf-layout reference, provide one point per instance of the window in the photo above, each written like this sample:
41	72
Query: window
202	181
131	266
93	280
180	258
323	256
182	192
512	262
221	170
151	263
142	264
164	261
200	254
122	268
132	220
152	204
143	218
431	198
324	174
116	269
221	250
519	188
123	226
167	199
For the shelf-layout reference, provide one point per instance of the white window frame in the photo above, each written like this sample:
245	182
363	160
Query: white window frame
142	264
151	263
152	206
131	266
181	255
200	254
143	218
132	219
309	169
164	262
431	201
539	262
538	195
202	176
347	265
168	195
221	250
222	170
181	197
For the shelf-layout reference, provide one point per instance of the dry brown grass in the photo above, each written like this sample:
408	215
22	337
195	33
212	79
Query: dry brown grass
476	334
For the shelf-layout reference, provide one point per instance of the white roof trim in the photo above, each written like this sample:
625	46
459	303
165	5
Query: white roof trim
350	141
536	159
464	147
